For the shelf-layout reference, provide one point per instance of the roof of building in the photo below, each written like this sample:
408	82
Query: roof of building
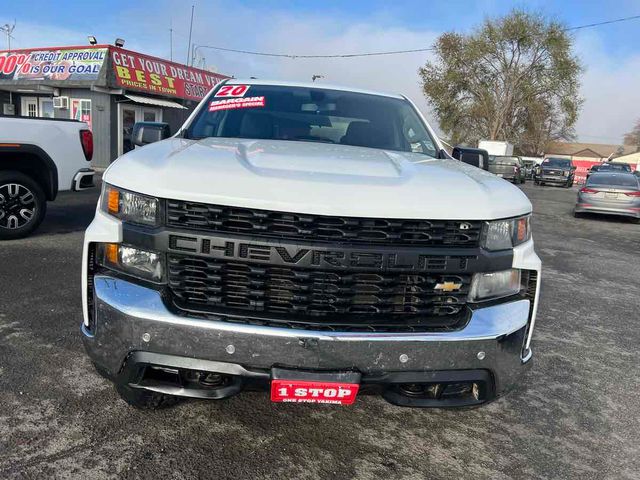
596	150
632	158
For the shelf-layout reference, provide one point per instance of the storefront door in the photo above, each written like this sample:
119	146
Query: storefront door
128	115
29	107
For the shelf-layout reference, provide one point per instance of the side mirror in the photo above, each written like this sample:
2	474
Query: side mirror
148	132
472	156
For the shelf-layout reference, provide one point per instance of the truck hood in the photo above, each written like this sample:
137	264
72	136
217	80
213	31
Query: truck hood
316	178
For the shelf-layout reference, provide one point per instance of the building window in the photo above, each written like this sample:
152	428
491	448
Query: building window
46	107
81	110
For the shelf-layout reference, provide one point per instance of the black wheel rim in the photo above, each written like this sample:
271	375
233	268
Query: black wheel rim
17	206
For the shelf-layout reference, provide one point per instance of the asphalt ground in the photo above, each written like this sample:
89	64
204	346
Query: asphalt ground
576	417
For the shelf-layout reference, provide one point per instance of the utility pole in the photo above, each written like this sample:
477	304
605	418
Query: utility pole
8	29
190	30
170	40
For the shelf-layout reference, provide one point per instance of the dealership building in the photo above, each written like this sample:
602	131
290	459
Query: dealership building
106	86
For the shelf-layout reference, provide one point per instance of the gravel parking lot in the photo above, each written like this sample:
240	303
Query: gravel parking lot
577	417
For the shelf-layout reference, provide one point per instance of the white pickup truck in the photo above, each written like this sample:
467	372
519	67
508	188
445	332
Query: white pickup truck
38	158
314	241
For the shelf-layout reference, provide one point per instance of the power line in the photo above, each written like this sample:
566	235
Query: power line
608	22
391	52
342	55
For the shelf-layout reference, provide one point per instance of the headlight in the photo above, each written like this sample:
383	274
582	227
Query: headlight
130	207
504	234
133	261
487	286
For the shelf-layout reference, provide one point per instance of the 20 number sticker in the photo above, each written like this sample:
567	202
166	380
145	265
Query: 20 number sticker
232	91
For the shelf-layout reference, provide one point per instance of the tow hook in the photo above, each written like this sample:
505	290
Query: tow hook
308	342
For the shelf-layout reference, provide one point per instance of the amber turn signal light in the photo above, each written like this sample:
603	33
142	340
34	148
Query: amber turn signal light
521	234
113	201
111	253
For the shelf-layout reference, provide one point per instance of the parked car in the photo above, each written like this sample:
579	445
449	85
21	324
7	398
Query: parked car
509	168
39	157
610	193
307	240
609	167
556	171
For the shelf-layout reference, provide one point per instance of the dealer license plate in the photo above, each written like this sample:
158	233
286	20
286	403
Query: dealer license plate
302	391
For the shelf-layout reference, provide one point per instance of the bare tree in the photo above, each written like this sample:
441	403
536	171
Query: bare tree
633	137
514	79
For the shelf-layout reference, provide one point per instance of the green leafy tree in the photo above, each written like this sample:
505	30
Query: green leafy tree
633	137
515	79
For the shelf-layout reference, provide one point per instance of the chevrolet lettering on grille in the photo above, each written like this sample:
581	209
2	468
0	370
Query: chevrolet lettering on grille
327	258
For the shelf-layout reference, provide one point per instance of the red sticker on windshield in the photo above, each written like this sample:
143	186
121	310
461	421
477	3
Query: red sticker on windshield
229	91
233	103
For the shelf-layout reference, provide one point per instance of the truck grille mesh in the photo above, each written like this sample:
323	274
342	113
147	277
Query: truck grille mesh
308	297
319	228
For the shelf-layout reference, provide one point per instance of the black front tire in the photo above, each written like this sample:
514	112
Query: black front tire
13	223
146	399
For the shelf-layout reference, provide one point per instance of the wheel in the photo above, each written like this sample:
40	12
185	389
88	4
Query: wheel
145	399
22	205
578	215
541	183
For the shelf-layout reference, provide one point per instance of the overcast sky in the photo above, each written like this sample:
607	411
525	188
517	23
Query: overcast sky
610	53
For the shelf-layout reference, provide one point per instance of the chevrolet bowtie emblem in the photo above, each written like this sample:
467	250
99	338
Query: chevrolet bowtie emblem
448	286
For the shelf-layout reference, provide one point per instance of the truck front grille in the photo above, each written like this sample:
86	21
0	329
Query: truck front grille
321	228
310	298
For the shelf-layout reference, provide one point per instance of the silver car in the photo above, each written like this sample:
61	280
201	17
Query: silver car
610	193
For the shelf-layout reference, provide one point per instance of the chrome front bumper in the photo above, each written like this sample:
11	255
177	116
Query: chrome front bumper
553	179
130	318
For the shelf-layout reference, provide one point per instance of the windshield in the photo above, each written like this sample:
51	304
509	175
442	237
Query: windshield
613	180
304	114
614	166
556	162
505	160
